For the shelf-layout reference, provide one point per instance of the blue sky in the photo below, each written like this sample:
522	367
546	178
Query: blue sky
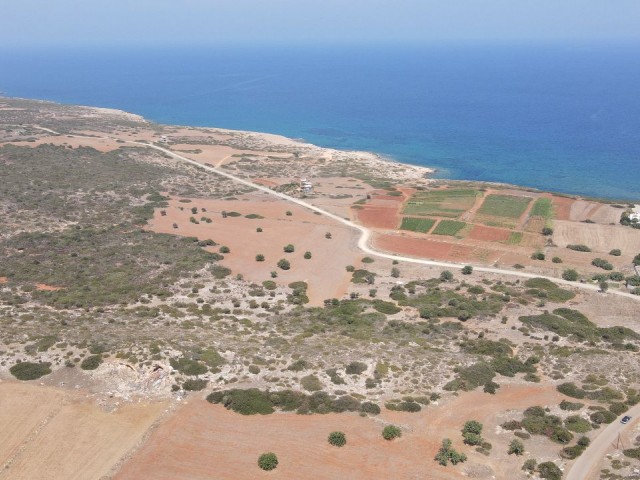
168	22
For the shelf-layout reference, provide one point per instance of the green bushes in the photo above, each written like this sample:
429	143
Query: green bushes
552	291
388	308
570	389
268	461
577	424
30	370
403	406
91	362
284	264
579	248
570	406
337	439
245	402
570	275
447	454
467	270
615	252
601	263
311	383
356	368
289	248
471	377
549	471
259	257
471	433
188	366
390	432
194	384
516	447
253	401
537	422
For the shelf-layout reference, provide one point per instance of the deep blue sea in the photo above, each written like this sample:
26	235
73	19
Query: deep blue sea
561	118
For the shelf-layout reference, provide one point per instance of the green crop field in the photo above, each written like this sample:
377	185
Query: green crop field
448	227
449	203
543	207
422	225
508	206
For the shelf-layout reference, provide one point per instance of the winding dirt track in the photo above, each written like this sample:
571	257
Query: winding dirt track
365	233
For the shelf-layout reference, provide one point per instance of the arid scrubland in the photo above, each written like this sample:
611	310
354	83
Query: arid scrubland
131	275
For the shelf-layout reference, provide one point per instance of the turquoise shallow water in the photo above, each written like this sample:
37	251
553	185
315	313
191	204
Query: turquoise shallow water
557	118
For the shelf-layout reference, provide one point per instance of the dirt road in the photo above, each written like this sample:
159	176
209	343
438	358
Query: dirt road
584	467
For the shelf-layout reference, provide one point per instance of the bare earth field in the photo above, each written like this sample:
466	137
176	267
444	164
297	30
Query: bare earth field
324	272
51	433
201	441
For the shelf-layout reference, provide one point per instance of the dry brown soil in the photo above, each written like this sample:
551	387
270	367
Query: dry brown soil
50	433
203	441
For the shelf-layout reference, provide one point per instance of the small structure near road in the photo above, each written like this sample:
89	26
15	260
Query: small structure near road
305	186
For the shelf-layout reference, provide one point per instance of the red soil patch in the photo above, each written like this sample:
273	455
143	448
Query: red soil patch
4	280
378	217
416	247
265	182
562	207
47	288
203	441
324	272
488	234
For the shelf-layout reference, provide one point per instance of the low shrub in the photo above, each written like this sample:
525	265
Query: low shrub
91	362
194	384
390	432
268	461
30	371
337	439
579	248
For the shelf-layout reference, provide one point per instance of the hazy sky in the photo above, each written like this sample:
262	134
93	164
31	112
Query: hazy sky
111	22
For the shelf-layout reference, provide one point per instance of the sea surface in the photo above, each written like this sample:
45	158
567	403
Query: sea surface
555	117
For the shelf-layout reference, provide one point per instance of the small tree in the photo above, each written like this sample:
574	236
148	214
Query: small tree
616	252
224	214
516	447
390	432
259	257
175	225
259	229
225	249
289	213
268	461
604	286
284	264
395	273
289	248
274	274
446	276
337	439
550	471
556	260
468	270
327	235
472	426
636	259
547	231
447	454
307	255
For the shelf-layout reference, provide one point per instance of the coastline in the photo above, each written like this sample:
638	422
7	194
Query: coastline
279	140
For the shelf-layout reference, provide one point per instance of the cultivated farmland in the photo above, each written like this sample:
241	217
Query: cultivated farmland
448	227
449	203
422	225
508	206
